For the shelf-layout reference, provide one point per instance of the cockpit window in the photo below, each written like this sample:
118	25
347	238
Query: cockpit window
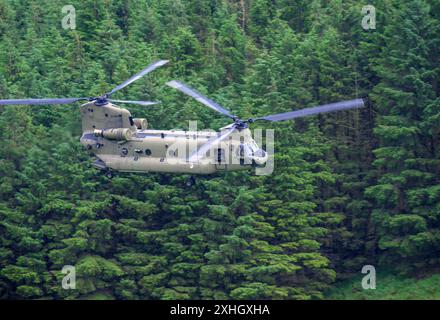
253	146
260	153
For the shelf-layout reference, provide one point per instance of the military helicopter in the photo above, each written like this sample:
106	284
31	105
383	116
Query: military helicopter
125	144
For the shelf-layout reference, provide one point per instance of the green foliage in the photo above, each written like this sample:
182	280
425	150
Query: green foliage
348	189
392	287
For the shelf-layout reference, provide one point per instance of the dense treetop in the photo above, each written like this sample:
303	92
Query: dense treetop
348	189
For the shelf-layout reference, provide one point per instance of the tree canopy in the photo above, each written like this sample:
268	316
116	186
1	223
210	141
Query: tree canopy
349	189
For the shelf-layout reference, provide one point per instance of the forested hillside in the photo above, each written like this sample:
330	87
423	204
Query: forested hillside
349	189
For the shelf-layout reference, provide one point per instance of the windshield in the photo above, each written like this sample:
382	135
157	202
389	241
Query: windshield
253	146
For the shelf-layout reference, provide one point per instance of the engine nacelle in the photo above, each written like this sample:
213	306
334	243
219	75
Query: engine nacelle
140	123
114	134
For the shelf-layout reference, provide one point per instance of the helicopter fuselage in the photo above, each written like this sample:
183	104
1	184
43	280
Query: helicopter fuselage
121	143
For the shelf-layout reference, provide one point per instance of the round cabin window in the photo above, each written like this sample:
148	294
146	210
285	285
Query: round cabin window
124	151
148	152
173	153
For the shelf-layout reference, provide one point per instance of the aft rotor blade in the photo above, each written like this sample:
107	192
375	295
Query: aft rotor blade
343	105
199	97
142	103
41	101
139	75
201	152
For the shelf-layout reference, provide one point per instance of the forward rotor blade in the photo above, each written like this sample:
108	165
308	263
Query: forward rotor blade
343	105
199	97
139	75
41	101
201	152
142	103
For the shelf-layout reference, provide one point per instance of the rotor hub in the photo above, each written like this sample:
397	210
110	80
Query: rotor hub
240	124
102	100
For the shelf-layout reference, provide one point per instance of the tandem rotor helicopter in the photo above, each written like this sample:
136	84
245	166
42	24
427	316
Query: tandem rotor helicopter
123	143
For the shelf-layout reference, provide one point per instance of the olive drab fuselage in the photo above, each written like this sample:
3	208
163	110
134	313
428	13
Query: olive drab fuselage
121	143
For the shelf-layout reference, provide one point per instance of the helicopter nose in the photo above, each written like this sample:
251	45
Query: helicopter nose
259	157
260	153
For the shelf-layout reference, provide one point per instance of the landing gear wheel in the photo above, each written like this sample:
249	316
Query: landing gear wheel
190	181
109	175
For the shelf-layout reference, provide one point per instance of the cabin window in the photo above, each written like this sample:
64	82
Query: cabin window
148	152
173	153
124	151
221	155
